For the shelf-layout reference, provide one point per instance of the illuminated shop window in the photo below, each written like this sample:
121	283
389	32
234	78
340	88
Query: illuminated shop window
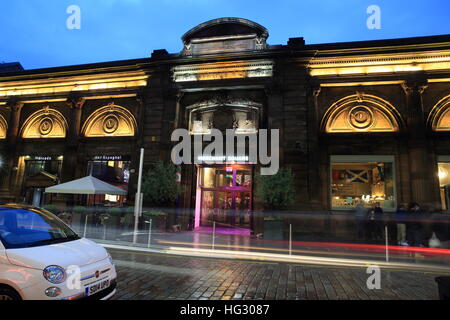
33	167
111	197
114	172
356	182
444	184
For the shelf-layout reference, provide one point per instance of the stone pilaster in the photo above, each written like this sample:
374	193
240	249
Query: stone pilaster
178	110
14	123
75	103
274	114
313	148
70	157
7	185
423	168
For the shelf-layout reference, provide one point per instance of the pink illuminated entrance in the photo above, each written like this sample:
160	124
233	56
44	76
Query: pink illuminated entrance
224	196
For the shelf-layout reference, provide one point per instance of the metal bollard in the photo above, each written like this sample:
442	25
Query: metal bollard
387	242
85	226
290	239
149	234
214	235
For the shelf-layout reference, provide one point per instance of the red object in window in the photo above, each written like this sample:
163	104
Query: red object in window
336	175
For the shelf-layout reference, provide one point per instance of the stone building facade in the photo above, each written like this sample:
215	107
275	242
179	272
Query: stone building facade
359	122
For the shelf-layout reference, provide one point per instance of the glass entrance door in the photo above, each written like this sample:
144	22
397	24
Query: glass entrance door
226	196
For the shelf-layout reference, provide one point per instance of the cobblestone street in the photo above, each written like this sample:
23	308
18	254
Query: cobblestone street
144	276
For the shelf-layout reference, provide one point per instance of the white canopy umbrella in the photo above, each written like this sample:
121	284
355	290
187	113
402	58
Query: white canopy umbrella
86	185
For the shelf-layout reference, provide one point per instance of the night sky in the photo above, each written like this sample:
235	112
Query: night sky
34	32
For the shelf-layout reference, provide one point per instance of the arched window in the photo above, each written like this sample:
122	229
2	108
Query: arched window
3	127
45	123
110	121
439	117
361	113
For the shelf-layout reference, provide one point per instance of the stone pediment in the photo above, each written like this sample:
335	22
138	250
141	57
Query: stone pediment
224	35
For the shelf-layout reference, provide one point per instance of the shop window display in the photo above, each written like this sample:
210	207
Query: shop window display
362	183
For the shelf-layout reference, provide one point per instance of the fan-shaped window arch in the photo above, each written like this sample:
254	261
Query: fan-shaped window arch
361	113
3	127
45	123
110	121
439	117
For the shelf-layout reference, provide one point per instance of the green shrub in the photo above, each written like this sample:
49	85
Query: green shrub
129	210
79	209
115	212
276	192
51	207
154	213
159	185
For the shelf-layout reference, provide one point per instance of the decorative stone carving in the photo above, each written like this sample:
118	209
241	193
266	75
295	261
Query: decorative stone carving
418	86
110	124
3	127
46	126
75	101
45	123
110	120
224	119
225	99
439	117
260	43
361	117
361	113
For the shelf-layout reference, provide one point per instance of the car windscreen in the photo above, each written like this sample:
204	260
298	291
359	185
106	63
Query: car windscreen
22	228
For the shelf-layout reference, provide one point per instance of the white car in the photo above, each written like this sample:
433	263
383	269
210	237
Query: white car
41	258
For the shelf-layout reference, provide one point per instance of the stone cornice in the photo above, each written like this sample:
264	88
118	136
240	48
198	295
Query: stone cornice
380	63
223	70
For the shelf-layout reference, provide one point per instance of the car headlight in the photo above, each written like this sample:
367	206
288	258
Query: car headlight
110	259
54	274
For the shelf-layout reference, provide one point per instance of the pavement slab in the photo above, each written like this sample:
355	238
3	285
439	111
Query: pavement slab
165	277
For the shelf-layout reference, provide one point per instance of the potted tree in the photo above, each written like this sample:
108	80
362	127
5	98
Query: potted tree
275	193
160	191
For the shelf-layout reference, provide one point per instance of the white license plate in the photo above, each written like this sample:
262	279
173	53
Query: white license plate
97	287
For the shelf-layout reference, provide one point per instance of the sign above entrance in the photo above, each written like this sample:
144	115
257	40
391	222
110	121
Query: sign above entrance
110	158
248	148
222	159
43	158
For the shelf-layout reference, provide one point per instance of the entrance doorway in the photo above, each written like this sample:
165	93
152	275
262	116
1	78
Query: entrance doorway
225	196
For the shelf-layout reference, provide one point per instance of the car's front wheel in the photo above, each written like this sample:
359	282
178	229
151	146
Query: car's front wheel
8	294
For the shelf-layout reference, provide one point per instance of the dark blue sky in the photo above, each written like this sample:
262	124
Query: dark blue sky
34	32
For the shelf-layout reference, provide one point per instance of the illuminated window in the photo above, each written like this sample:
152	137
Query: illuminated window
111	197
444	183
110	121
361	113
362	180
